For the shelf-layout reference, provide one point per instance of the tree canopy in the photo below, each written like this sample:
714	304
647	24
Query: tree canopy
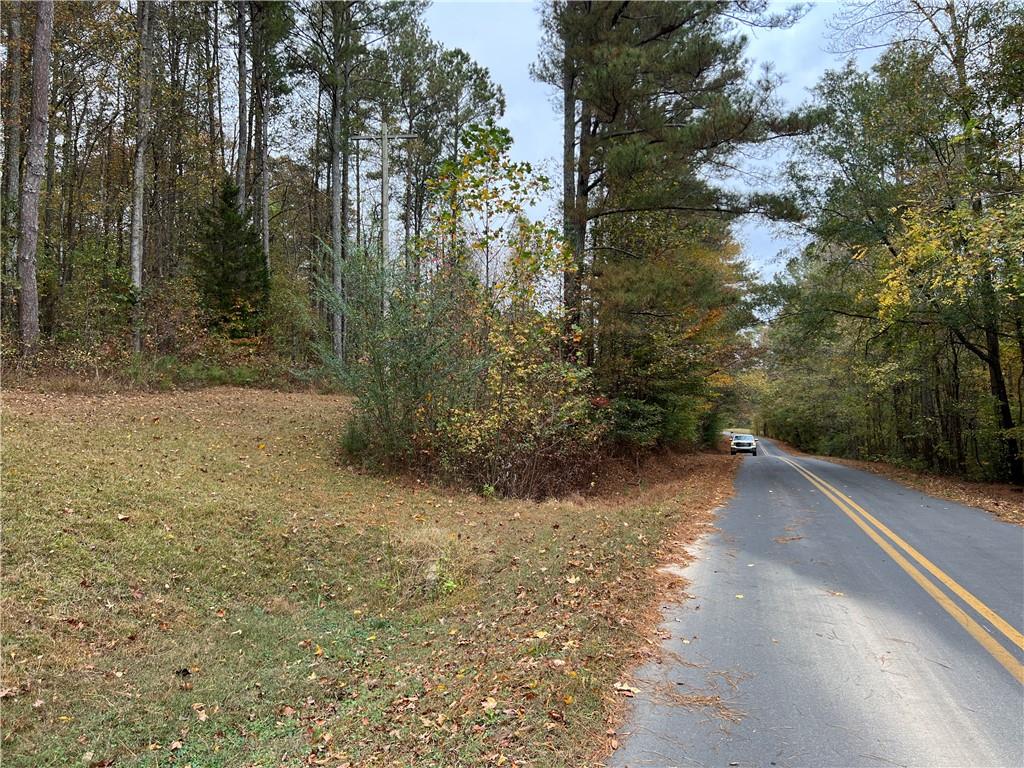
913	277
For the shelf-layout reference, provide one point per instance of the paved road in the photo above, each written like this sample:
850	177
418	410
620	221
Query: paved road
839	619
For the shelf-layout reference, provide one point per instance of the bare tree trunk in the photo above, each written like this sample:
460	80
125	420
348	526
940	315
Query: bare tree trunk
243	115
314	196
359	203
577	229
209	45
345	198
139	169
337	282
216	66
51	172
337	323
34	169
346	202
12	179
570	279
265	193
262	107
407	216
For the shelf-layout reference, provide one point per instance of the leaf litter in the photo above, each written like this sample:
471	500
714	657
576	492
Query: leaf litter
273	608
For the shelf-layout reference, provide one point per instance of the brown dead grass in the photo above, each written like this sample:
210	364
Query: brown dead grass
322	614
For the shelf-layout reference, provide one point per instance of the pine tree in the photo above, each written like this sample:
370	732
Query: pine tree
230	269
657	100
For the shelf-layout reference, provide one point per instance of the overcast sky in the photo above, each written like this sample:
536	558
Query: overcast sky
504	36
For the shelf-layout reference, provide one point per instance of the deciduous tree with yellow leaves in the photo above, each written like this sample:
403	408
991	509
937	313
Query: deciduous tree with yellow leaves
914	275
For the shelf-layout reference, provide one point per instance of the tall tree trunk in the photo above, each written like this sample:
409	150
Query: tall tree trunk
243	114
337	325
338	183
12	151
407	218
139	169
345	201
359	201
209	44
49	214
66	222
570	283
578	232
956	425
217	70
575	192
260	108
265	191
168	208
1004	413
314	190
265	147
34	169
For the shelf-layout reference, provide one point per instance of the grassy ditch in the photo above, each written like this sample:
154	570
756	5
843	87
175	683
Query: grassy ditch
194	579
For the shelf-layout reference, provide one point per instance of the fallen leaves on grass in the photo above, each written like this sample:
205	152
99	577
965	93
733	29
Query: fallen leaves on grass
432	626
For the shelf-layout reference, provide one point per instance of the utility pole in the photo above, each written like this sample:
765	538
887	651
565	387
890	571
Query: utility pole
385	140
359	205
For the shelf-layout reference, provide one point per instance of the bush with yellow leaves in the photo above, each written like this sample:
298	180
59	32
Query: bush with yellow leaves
458	361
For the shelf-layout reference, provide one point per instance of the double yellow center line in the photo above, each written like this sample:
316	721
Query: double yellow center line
899	550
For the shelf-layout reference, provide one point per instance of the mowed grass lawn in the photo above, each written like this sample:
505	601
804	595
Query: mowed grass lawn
199	579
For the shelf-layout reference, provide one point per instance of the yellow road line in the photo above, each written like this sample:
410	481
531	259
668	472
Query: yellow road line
976	631
983	610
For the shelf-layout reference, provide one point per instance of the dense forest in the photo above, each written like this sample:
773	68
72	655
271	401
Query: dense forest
201	193
159	118
898	333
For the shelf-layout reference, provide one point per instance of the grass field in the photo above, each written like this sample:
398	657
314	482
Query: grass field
199	579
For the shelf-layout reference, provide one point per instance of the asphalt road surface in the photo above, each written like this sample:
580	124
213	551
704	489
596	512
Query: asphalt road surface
838	619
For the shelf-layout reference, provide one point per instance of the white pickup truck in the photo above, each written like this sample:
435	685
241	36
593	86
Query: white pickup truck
743	444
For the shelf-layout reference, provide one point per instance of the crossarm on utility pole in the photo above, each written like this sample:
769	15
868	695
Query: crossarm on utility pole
385	140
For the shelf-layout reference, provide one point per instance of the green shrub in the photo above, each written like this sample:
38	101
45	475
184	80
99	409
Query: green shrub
466	387
464	376
711	428
94	308
293	327
636	423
